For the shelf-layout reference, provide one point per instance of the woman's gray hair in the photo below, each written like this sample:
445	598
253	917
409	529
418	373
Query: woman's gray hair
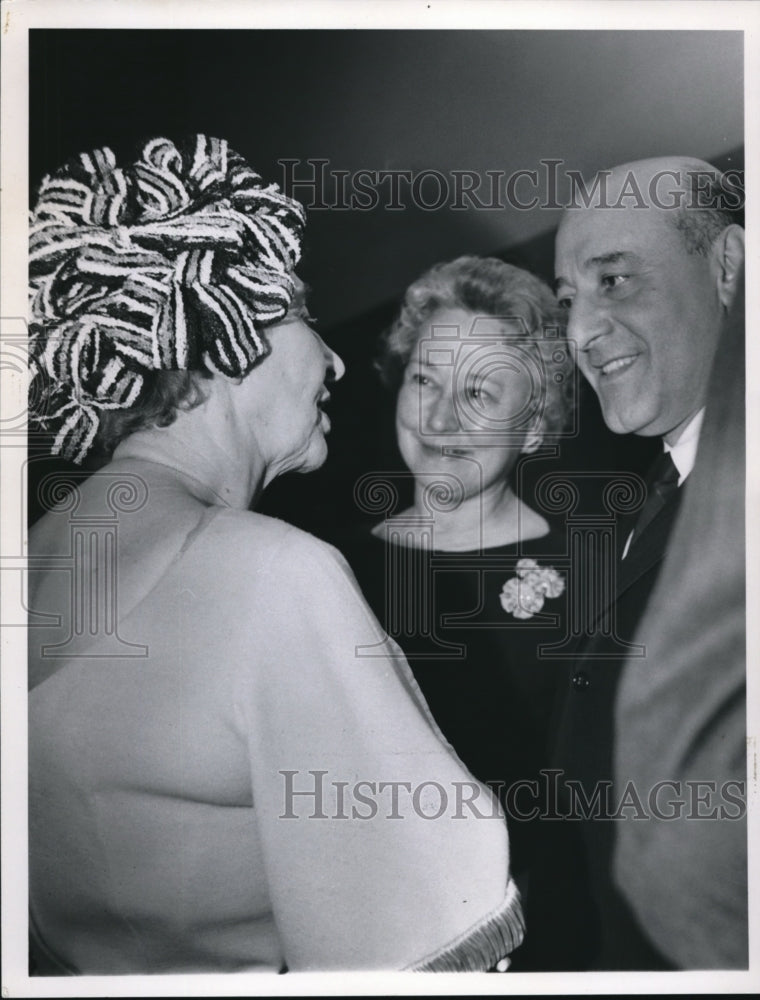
165	394
490	287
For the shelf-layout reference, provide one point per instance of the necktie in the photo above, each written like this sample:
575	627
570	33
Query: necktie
663	482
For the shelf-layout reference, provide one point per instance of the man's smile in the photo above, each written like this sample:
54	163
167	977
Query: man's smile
618	364
612	366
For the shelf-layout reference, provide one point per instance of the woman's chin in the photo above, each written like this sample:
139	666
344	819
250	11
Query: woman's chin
316	456
434	463
455	482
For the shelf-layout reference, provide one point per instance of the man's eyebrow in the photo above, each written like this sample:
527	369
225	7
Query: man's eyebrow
602	260
616	257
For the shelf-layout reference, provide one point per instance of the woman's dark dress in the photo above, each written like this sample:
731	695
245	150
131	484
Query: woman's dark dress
486	678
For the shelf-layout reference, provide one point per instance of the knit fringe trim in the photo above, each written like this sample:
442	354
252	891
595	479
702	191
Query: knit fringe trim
482	946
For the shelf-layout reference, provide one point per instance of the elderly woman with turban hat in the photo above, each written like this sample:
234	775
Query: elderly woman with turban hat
231	767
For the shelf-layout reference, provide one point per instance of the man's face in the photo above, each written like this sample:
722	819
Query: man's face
644	315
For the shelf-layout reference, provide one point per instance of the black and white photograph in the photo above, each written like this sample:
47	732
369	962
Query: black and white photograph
376	560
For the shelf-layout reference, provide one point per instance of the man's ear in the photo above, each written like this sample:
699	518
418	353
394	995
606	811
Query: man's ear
728	257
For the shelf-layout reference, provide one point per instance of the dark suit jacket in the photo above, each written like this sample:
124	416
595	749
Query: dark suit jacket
659	894
576	919
685	718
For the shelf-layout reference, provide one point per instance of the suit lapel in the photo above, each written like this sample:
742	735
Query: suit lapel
644	553
650	547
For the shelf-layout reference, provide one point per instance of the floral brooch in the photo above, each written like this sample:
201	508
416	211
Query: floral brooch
523	595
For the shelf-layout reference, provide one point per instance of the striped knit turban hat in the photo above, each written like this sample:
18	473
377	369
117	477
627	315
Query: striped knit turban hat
174	262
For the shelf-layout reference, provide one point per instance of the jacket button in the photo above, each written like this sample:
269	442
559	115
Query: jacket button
580	681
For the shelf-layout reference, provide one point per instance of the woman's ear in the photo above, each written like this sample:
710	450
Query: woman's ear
533	441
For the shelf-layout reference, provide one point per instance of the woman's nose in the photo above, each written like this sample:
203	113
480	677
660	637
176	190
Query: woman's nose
335	366
338	367
441	415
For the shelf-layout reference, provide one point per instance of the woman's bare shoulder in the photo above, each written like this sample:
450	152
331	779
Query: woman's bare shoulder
249	533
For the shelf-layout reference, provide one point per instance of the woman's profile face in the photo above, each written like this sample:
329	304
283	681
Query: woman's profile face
469	394
282	399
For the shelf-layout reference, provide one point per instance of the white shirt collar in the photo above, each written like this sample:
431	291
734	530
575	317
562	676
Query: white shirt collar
684	451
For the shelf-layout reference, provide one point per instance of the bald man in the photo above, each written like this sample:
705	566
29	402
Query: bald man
646	271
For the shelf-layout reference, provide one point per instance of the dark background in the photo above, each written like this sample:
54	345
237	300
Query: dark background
403	100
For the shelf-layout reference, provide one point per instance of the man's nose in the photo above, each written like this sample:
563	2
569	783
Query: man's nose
441	415
587	321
